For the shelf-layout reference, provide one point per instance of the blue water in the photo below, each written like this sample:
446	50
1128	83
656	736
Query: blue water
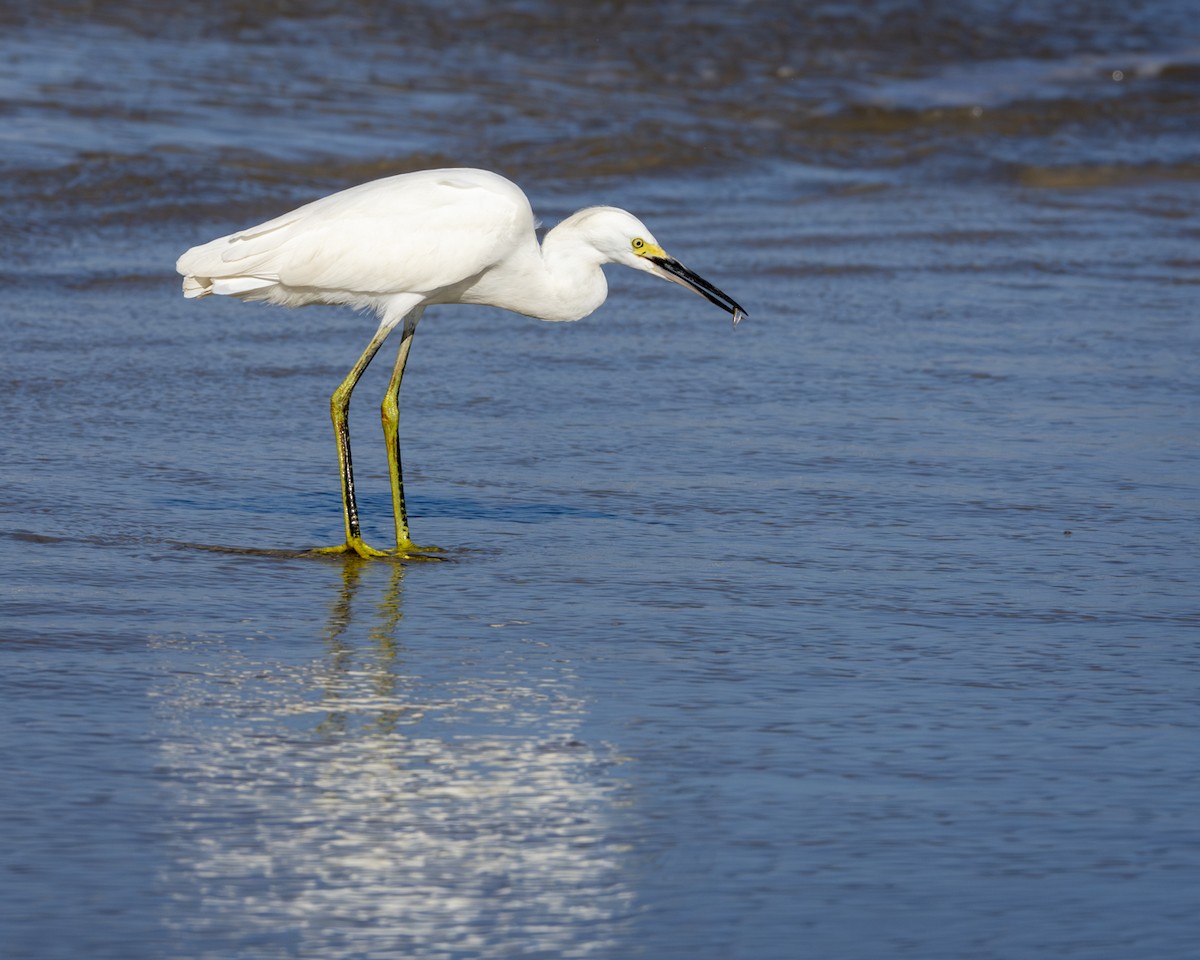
866	630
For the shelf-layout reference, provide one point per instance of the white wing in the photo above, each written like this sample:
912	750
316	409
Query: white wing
412	233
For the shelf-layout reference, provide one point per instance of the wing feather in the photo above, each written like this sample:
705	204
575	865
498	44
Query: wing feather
413	233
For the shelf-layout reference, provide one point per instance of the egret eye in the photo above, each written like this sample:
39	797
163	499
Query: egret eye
638	245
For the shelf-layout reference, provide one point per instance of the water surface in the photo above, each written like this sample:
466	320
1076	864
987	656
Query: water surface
867	629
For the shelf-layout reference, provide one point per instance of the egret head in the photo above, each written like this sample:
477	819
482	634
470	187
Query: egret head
622	238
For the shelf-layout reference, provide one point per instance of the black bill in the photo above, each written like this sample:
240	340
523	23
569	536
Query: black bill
683	276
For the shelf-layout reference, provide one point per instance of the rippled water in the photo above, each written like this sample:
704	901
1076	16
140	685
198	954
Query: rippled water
865	630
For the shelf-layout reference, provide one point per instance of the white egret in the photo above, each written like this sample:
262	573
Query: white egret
400	244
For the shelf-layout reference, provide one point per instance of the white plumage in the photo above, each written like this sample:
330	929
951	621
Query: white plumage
398	245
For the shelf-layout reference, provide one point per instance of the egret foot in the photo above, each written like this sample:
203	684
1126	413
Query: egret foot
413	551
406	551
354	545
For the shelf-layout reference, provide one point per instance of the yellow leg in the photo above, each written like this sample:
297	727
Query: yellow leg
390	414
339	408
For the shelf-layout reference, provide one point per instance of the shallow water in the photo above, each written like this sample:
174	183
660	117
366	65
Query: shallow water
867	629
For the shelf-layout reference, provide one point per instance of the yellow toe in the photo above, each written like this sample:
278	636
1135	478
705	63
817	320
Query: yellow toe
353	545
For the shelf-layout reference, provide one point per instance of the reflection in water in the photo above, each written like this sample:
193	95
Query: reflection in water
382	635
387	801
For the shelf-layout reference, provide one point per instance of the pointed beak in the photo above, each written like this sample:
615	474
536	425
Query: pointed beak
671	269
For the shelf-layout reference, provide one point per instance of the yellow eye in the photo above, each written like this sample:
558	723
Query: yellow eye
639	244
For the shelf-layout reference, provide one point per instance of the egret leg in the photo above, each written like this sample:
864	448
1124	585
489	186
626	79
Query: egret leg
390	413
339	409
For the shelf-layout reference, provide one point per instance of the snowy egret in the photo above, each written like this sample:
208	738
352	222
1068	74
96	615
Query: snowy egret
400	244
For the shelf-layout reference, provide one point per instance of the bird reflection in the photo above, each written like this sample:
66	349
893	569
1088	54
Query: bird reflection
382	632
398	794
